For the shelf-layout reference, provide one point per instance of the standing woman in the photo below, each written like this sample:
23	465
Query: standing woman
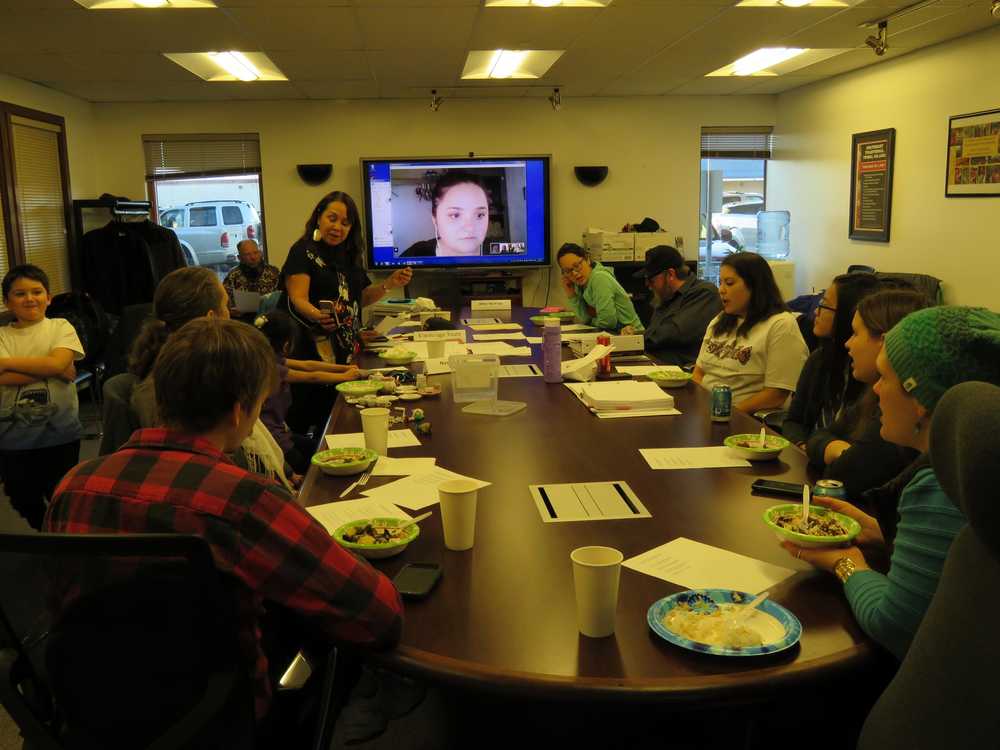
594	293
826	388
754	345
325	266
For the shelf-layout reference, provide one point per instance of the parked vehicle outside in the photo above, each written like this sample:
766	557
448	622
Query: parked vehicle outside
210	230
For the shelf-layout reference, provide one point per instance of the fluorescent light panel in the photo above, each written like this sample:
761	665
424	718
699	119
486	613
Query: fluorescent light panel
143	4
228	65
548	3
509	63
775	61
797	3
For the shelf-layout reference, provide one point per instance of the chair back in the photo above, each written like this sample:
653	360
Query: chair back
943	694
121	641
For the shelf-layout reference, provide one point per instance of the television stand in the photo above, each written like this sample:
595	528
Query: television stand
490	285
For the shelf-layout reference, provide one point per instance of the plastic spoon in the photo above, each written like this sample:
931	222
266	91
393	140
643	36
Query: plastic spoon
805	503
745	611
412	521
763	438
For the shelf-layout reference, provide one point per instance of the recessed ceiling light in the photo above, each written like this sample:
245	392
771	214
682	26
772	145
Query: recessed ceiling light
509	63
230	65
138	4
794	3
797	3
763	58
547	3
776	61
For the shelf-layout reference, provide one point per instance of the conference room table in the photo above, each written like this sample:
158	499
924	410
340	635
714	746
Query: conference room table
502	618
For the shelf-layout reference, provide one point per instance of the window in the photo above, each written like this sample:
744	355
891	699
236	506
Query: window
203	217
214	177
733	191
34	174
231	215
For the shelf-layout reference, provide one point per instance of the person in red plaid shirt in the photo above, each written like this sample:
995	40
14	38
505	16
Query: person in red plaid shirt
211	378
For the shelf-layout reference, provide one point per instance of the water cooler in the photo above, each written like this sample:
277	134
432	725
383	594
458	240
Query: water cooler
773	244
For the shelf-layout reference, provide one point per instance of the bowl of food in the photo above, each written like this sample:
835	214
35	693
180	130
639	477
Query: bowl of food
823	528
376	538
748	446
669	378
566	316
357	388
397	355
343	462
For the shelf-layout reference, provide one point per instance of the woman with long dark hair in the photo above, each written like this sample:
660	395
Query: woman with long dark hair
754	345
826	388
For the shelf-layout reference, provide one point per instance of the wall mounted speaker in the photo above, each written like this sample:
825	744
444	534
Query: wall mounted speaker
314	174
591	176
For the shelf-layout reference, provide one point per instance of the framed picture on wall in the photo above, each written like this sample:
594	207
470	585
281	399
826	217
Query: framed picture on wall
973	169
872	155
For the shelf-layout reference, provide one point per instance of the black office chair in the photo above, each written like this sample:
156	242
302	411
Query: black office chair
120	641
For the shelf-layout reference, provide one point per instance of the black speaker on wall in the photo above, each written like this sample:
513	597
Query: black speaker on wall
314	174
590	176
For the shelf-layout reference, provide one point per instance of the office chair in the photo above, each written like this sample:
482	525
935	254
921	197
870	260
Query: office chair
120	641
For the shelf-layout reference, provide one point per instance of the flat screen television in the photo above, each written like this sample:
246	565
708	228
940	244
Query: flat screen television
457	213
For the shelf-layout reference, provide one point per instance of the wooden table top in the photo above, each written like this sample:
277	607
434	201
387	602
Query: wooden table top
502	616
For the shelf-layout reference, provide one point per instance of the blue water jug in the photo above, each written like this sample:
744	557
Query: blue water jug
772	234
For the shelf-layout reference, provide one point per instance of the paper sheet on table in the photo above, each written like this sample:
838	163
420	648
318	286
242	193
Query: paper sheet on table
514	336
533	339
715	457
410	324
500	348
637	413
494	325
419	490
519	371
335	515
246	302
388	466
694	565
636	370
588	501
397	439
570	327
571	365
387	324
436	366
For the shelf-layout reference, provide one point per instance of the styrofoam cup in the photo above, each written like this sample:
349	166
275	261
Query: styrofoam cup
596	572
375	424
458	513
435	349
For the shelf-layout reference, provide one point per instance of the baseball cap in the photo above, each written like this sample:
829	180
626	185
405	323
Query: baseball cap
659	259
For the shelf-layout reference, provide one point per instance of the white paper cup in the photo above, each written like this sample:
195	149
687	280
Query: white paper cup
435	349
375	423
596	571
458	513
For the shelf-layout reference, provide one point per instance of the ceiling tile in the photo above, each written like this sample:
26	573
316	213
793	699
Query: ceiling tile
328	64
531	28
338	89
711	86
963	21
411	66
417	28
316	29
778	84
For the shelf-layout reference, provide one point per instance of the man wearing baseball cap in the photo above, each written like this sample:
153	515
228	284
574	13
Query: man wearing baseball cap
683	306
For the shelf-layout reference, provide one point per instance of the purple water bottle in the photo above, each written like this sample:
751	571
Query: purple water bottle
552	351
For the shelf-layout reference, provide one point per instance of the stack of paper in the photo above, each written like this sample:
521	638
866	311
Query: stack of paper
501	348
616	395
417	490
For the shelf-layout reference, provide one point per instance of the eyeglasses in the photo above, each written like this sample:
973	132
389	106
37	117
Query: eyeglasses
573	268
823	306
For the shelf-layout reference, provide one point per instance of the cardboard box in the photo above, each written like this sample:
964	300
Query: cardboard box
609	247
646	240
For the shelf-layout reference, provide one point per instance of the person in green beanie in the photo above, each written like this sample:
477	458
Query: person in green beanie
924	355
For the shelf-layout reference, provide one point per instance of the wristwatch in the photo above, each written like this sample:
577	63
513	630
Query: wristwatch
844	568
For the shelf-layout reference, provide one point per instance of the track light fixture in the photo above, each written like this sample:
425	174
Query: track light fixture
555	100
435	100
878	41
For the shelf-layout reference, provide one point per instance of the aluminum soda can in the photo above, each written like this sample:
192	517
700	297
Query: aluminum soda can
722	403
604	363
830	488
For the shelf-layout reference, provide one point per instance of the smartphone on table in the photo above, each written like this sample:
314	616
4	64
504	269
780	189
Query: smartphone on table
416	580
781	489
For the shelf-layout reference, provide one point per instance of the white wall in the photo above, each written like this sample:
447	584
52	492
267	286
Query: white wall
79	116
951	238
650	144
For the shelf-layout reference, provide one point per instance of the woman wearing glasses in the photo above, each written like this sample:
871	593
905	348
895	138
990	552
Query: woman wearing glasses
594	293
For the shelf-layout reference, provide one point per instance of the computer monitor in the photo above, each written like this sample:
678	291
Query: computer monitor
454	213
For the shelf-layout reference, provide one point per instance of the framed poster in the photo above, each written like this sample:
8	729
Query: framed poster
871	184
973	169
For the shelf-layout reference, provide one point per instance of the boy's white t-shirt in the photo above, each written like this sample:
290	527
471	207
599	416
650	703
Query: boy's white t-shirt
770	356
46	412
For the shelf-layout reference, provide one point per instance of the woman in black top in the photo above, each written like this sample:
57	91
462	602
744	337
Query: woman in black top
325	265
325	288
826	388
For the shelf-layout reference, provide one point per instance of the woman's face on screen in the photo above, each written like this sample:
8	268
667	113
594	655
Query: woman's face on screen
461	220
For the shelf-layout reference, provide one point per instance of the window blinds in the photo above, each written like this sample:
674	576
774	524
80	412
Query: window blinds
4	264
741	142
185	155
41	208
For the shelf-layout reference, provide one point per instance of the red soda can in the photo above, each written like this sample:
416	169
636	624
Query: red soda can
604	363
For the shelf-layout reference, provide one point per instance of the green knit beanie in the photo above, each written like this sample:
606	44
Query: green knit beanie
938	347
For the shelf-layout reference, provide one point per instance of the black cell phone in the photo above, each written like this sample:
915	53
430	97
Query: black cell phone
613	376
782	489
417	579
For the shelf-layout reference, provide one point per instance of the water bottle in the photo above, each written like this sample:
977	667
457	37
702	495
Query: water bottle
552	351
772	234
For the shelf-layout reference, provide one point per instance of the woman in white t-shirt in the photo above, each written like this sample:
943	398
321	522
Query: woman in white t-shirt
754	345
